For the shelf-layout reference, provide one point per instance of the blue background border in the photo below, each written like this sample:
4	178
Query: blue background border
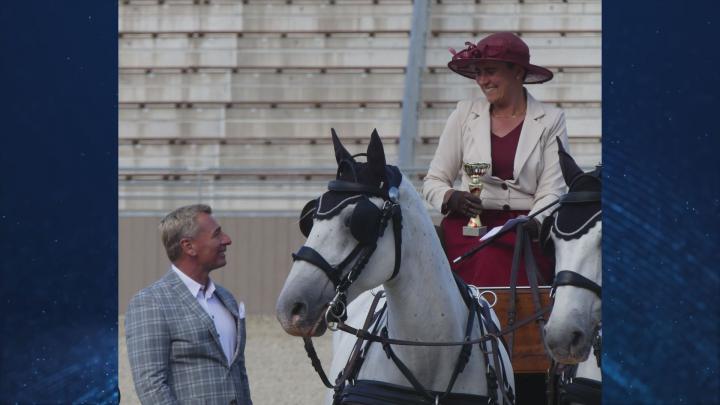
661	202
58	202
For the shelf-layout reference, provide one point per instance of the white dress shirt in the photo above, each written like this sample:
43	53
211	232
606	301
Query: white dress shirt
223	319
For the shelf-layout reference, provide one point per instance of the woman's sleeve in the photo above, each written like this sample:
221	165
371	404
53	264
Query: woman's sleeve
446	162
551	184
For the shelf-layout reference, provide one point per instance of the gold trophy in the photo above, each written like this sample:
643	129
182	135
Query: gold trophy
475	171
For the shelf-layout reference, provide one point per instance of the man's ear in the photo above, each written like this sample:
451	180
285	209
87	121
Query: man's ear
187	247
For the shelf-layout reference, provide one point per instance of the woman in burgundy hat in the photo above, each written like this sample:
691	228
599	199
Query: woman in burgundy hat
518	136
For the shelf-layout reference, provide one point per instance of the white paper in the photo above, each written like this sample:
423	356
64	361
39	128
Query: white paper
491	233
510	223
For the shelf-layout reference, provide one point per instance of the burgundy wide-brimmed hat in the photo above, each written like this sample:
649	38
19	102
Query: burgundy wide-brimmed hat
502	47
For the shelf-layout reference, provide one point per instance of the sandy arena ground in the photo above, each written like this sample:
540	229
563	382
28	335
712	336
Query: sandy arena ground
278	368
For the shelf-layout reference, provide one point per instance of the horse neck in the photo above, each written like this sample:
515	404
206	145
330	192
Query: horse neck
424	287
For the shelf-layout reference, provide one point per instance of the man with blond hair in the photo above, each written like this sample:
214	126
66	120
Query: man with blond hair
185	333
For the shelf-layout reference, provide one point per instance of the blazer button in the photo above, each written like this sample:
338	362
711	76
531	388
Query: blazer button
504	186
233	402
506	207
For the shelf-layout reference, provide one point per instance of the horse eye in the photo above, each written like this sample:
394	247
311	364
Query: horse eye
347	221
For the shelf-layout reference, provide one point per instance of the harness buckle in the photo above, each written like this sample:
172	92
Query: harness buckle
336	310
394	194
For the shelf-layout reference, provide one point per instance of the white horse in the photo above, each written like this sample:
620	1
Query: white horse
575	230
424	303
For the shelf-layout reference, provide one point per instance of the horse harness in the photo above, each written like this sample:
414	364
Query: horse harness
565	387
367	224
375	392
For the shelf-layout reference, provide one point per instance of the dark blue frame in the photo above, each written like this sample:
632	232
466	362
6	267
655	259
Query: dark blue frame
58	202
661	202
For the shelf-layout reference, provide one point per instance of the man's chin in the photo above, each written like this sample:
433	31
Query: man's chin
218	265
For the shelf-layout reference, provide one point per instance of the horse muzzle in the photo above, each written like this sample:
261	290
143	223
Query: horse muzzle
572	347
298	319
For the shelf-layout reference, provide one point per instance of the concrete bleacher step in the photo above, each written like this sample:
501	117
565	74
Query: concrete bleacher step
344	17
290	159
313	87
580	53
276	41
301	125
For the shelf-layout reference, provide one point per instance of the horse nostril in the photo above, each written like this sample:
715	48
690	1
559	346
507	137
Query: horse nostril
577	336
298	309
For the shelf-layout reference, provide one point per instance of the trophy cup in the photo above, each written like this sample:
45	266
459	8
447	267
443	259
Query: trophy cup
475	171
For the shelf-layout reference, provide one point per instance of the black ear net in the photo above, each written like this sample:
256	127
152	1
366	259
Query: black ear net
306	217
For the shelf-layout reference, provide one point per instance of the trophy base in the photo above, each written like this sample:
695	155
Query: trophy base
473	231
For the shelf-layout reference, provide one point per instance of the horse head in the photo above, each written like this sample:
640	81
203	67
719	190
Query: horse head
350	244
575	230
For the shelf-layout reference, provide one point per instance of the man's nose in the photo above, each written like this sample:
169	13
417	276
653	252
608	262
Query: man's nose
227	240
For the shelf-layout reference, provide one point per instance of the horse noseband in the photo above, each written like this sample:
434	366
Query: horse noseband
571	278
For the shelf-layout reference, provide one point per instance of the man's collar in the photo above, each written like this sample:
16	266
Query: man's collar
193	285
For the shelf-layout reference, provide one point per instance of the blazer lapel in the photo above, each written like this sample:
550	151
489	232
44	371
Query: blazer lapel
229	303
186	299
478	130
530	134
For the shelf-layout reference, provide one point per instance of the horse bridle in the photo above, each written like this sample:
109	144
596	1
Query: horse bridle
571	277
365	232
571	388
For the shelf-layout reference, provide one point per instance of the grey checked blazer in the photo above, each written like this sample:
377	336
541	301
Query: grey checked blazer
174	351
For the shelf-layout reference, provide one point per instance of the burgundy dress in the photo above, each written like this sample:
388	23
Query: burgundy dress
490	267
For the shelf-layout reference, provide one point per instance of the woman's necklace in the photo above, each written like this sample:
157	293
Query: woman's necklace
514	115
518	114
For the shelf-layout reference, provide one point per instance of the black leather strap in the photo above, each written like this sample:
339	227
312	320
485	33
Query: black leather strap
367	392
311	256
581	390
397	232
574	279
403	368
355	188
315	361
580	197
460	364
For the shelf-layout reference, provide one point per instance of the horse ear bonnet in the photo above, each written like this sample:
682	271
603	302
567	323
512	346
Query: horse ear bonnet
569	168
374	174
306	217
365	221
574	220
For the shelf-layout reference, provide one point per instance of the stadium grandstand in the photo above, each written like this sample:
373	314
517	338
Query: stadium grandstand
230	103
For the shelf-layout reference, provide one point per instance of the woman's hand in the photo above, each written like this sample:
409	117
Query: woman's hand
465	203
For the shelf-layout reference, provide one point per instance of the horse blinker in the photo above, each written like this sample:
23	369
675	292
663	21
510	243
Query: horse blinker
365	222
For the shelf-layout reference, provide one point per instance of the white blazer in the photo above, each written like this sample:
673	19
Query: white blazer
537	178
